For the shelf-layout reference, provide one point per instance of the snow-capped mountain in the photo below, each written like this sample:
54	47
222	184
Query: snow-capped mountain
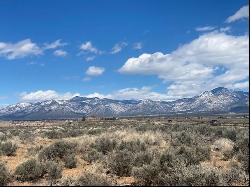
214	101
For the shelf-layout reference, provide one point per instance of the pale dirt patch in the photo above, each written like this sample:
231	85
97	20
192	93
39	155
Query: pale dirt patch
73	173
43	141
125	181
42	182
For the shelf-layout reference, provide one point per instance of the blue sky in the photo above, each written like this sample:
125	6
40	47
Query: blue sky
140	49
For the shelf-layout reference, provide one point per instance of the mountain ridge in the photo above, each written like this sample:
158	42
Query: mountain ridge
217	100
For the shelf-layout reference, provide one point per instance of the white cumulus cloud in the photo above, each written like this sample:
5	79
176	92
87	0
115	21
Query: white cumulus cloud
20	49
56	44
88	47
95	71
41	95
60	53
139	94
142	93
243	13
214	59
25	48
95	94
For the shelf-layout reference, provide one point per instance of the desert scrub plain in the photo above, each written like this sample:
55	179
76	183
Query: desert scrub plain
180	151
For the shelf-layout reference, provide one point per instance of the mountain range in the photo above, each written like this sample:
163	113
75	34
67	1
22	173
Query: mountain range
218	100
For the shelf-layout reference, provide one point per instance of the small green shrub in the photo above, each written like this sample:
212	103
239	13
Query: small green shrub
34	150
202	153
187	155
185	138
133	146
53	134
218	133
92	155
58	150
147	175
92	179
194	155
142	158
104	145
8	148
54	170
29	170
4	175
120	163
70	161
211	178
244	160
74	133
3	137
195	175
94	131
241	150
230	134
242	144
167	159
